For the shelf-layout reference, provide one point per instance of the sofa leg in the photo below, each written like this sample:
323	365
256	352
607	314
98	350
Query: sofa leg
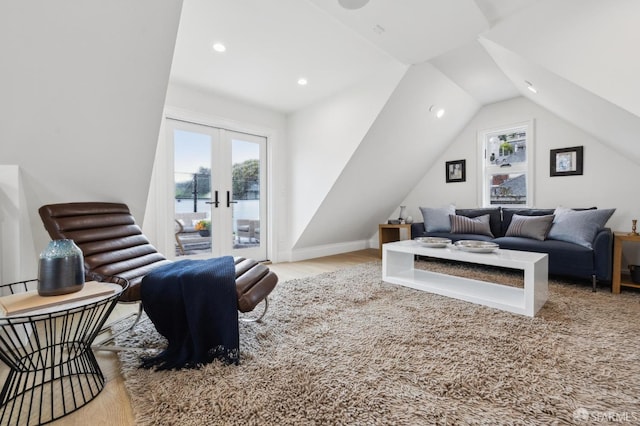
594	282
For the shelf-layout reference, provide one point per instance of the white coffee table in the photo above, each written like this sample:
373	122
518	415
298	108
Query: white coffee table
398	268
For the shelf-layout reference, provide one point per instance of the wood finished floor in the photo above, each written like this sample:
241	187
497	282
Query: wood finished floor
112	406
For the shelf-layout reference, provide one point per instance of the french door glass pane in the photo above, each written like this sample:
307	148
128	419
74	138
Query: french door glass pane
192	180
245	159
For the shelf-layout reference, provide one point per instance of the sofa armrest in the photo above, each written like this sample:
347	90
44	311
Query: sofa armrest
417	229
603	254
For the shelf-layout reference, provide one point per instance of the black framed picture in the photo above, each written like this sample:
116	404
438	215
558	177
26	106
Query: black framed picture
566	161
456	171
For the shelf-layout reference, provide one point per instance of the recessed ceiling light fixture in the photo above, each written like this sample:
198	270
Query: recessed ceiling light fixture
439	112
302	81
219	47
353	4
530	87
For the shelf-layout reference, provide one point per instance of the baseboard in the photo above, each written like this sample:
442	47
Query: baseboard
328	250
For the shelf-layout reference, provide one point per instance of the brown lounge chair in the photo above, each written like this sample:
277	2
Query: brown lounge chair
114	246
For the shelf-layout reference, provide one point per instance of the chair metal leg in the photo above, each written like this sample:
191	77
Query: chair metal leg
594	282
108	344
264	312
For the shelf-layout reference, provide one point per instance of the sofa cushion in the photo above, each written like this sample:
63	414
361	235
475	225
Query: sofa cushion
564	258
495	217
437	219
535	227
468	225
457	237
507	215
578	227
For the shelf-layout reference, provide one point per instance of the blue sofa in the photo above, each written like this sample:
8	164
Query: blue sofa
565	258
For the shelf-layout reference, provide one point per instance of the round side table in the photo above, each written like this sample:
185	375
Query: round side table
52	369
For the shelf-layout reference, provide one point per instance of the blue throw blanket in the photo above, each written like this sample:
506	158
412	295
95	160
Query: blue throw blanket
193	303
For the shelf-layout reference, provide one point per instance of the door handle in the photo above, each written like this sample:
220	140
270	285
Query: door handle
215	201
229	202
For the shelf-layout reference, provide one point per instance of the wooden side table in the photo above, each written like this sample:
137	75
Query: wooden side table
618	280
390	233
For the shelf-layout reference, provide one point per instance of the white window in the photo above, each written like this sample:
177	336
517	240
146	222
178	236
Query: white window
506	155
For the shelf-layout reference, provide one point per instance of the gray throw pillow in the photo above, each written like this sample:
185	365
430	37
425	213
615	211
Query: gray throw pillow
437	219
470	225
535	227
579	227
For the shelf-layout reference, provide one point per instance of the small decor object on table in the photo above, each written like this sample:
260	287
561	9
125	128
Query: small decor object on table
474	246
634	222
403	214
61	268
435	242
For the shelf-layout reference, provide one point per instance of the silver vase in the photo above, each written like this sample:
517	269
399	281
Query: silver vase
61	268
403	213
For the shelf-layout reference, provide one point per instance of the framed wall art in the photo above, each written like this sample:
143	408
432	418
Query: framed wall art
566	161
456	171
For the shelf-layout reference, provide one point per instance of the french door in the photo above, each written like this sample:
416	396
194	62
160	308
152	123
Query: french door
220	191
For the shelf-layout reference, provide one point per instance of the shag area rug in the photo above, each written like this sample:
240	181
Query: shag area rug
345	348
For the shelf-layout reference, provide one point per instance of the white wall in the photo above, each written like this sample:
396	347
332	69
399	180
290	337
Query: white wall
322	138
402	142
216	110
17	260
606	181
82	88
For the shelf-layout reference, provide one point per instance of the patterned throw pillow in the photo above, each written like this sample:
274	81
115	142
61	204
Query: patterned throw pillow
470	225
536	227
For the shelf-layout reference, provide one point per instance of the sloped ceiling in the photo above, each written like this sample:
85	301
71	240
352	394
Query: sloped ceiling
583	64
580	54
395	26
270	45
398	149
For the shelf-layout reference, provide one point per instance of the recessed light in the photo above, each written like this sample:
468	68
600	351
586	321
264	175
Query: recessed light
353	4
219	47
439	112
302	81
530	87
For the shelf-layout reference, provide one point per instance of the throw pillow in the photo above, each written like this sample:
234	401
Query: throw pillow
535	227
437	219
470	225
579	227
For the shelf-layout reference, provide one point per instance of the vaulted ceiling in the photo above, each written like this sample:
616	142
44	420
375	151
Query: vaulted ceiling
579	54
270	45
489	48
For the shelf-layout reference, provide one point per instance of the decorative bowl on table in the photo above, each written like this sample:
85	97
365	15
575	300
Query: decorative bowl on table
476	246
436	242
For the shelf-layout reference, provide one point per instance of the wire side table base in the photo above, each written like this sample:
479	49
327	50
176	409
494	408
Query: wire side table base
52	369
